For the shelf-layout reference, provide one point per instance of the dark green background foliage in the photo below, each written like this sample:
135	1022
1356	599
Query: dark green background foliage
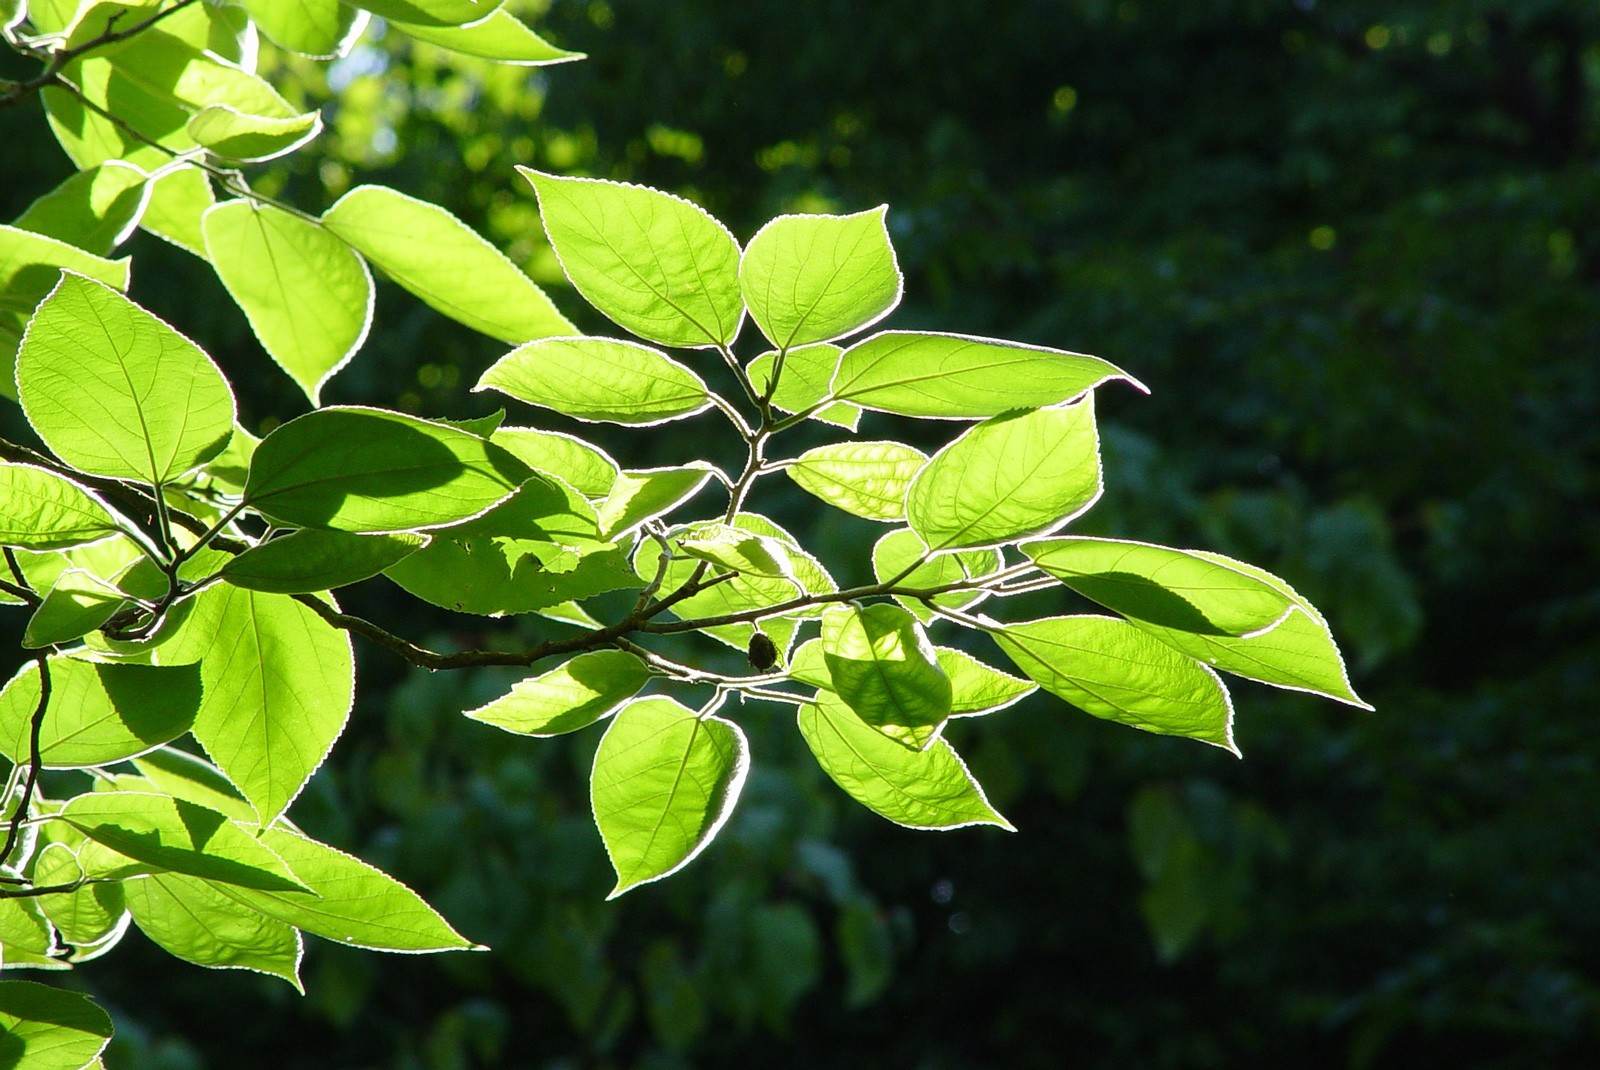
1351	248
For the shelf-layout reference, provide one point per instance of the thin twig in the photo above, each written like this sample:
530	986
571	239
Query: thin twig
34	761
58	60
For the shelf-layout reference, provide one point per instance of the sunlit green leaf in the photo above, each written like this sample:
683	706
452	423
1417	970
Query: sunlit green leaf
25	928
31	265
93	210
369	470
190	919
654	263
178	201
868	479
79	603
48	1028
733	549
189	777
586	468
1007	478
571	696
644	494
236	135
599	379
321	29
307	296
114	391
665	779
976	687
170	834
316	560
745	592
44	511
97	714
445	263
432	12
85	915
501	37
1114	670
815	278
895	557
926	789
955	376
886	671
803	381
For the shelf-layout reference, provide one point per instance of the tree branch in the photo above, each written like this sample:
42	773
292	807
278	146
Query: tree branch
19	91
14	831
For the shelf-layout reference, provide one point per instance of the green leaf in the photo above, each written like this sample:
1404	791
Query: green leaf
191	919
98	713
599	380
25	928
803	381
866	479
586	468
369	470
743	593
815	278
43	511
901	549
654	263
665	779
432	12
321	29
644	494
1175	589
445	263
85	916
278	686
236	135
178	201
1116	671
956	376
501	37
12	325
189	777
94	210
1007	478
79	603
114	391
315	560
170	834
733	549
571	696
350	902
926	789
886	671
307	296
46	1028
31	265
537	550
976	687
1299	653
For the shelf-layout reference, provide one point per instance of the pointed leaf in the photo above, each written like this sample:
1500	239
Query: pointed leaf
815	278
307	296
237	135
501	37
368	470
1114	670
48	1028
867	479
79	603
956	376
98	713
569	697
190	919
315	560
654	263
40	510
599	380
94	210
586	468
665	779
886	671
901	549
1007	478
189	777
432	12
926	789
645	494
803	381
116	392
445	263
976	687
170	834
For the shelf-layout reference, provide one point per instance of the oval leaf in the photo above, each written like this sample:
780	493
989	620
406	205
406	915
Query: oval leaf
31	264
445	263
40	510
665	779
599	380
190	919
1007	478
867	479
569	697
956	376
114	391
98	714
321	29
1114	670
369	470
814	278
653	263
587	469
238	135
884	669
307	296
501	37
315	560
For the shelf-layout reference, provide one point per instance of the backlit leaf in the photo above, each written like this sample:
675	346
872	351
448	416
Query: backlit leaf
321	29
803	381
883	667
48	1028
31	265
93	210
316	560
896	557
599	379
815	278
571	696
44	511
867	479
586	468
237	135
190	919
643	494
501	37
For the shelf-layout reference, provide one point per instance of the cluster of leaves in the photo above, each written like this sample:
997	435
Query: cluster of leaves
177	573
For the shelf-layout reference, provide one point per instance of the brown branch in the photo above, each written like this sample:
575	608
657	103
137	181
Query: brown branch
34	761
